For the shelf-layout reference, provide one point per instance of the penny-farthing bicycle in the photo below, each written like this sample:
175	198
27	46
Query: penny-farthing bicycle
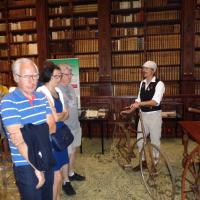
157	174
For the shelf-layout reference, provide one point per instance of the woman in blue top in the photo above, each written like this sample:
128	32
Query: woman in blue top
51	77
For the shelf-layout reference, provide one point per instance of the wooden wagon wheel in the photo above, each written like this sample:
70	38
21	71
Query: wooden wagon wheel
191	176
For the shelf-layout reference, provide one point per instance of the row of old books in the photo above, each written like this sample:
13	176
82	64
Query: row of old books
23	49
172	88
32	37
197	26
20	2
25	12
116	5
88	61
85	21
165	57
128	18
151	42
3	38
161	58
86	46
163	29
126	74
61	35
4	78
197	88
169	73
163	15
65	21
131	89
119	32
128	44
58	22
197	41
127	60
197	73
162	42
4	65
88	90
156	3
3	52
59	10
3	26
69	34
23	25
197	57
75	8
89	76
89	33
85	8
149	30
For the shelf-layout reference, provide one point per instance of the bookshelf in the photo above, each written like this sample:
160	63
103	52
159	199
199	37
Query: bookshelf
111	38
163	41
145	30
127	45
86	44
73	32
4	44
18	35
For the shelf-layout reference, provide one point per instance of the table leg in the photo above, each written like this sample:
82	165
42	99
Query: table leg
102	138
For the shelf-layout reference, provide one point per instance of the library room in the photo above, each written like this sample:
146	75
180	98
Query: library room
100	99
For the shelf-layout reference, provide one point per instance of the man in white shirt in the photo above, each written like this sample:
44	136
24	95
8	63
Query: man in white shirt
149	98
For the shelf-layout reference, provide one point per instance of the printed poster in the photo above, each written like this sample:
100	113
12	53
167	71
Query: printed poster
74	63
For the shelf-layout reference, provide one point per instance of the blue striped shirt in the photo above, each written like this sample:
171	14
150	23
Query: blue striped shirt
16	109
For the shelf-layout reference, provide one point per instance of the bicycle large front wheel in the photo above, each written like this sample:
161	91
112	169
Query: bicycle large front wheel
156	173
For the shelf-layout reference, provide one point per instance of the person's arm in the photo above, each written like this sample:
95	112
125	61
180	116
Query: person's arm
63	115
51	122
155	101
18	141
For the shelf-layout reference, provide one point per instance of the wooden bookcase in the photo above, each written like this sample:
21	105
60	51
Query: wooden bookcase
111	38
127	45
4	45
73	31
18	35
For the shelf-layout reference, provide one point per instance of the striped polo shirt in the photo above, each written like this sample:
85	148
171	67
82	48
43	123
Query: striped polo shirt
17	109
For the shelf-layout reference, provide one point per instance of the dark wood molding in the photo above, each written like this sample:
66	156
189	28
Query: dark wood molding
104	47
42	34
187	45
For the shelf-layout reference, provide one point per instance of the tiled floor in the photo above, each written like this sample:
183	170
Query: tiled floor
105	180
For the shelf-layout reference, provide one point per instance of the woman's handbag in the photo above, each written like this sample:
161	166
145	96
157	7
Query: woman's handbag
62	138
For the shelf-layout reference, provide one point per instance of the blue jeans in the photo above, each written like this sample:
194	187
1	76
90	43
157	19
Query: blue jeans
26	181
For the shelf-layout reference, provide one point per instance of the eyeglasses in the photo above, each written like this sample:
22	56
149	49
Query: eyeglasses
29	77
57	76
67	74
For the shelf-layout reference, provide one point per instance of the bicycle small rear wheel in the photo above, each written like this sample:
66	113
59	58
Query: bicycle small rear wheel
156	173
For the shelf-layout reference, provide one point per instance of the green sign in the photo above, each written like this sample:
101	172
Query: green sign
74	63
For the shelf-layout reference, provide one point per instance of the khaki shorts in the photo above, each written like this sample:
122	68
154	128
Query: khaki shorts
77	133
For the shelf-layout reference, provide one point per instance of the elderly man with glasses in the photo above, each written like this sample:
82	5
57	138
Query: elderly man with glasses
19	109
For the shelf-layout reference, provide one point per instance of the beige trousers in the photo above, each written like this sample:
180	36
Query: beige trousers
152	122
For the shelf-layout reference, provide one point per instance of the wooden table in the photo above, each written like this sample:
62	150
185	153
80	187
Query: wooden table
101	121
190	129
